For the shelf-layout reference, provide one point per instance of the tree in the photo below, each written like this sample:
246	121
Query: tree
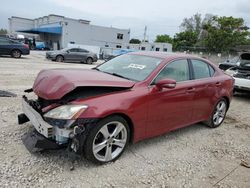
164	38
193	24
184	39
227	32
3	31
135	41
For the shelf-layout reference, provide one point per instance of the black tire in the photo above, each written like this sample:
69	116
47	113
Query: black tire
59	58
95	136
212	123
16	53
89	61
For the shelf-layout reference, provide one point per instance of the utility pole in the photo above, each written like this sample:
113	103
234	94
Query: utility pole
145	34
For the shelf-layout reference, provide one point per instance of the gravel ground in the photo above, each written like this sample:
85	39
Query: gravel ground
195	156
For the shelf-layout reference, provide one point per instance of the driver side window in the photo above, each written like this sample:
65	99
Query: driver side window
177	70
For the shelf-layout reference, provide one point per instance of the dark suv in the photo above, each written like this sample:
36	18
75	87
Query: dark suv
13	48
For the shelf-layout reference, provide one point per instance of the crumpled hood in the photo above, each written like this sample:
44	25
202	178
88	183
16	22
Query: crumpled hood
55	83
245	60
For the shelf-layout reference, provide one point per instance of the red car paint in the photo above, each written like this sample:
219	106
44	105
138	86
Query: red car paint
151	111
55	83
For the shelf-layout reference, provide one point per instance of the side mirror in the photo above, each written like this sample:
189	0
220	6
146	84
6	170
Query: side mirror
166	83
227	60
67	51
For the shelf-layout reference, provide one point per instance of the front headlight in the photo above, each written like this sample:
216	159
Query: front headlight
66	112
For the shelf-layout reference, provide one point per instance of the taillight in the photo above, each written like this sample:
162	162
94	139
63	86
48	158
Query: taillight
26	46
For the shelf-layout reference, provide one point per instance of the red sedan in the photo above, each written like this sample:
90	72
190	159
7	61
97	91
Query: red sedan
127	99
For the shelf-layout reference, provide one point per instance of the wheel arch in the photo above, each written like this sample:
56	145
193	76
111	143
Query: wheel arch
227	100
60	55
128	120
17	50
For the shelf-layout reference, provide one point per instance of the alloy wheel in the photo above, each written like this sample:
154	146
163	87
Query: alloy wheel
110	141
220	112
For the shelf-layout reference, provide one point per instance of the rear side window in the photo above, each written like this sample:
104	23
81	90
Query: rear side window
73	50
83	50
4	41
202	69
177	70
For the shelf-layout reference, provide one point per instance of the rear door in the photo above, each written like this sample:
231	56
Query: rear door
205	86
82	55
72	54
171	108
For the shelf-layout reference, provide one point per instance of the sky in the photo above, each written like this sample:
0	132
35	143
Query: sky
160	16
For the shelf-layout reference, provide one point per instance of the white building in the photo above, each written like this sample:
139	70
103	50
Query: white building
59	31
147	46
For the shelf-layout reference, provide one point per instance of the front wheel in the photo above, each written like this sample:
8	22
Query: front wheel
107	141
218	115
59	58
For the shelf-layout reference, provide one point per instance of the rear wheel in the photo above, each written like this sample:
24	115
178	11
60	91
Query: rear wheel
59	58
218	115
16	53
89	60
107	141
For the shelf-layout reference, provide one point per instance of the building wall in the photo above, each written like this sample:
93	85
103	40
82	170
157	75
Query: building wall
17	23
77	32
162	47
73	31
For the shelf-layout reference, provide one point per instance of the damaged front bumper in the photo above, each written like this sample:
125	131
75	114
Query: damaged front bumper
48	137
36	142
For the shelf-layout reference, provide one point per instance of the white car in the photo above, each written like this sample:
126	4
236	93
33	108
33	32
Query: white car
241	73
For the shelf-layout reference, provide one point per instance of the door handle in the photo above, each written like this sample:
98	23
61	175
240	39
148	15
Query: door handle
190	90
218	84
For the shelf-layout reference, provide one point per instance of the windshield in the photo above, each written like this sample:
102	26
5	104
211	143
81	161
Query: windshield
132	67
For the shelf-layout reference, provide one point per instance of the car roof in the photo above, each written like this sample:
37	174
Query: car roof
163	55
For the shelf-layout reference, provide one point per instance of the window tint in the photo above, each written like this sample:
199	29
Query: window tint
133	67
73	50
82	50
177	70
211	69
4	41
119	36
201	69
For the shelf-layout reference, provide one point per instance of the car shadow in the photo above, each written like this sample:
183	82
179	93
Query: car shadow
77	62
71	161
9	57
242	95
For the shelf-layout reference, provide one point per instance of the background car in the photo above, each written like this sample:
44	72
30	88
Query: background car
72	54
229	63
13	48
127	99
241	73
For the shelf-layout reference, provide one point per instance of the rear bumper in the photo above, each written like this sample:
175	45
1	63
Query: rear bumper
25	51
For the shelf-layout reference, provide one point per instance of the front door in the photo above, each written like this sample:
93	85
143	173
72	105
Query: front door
169	109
